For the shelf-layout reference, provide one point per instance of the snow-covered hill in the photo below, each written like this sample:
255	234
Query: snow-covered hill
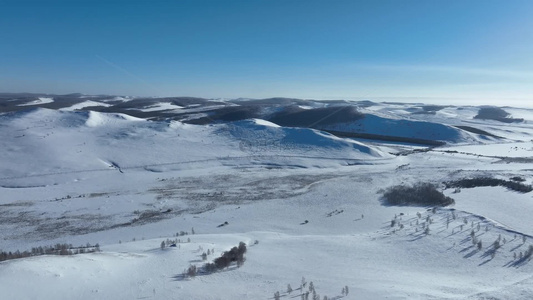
408	129
58	142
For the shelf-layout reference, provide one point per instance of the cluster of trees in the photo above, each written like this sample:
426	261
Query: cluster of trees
235	254
58	249
422	194
310	293
172	243
514	185
526	255
181	233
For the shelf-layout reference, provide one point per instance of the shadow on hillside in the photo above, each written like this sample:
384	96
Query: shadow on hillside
484	262
471	253
518	263
182	277
418	237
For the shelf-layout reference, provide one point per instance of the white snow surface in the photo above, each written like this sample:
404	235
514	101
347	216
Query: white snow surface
310	199
161	106
404	128
81	105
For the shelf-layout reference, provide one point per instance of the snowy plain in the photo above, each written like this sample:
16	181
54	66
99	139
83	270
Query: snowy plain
311	200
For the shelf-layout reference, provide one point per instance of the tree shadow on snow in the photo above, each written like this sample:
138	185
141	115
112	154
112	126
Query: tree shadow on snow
466	249
471	253
182	277
484	262
417	237
517	263
516	247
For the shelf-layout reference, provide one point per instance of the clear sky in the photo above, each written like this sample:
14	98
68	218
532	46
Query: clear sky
449	51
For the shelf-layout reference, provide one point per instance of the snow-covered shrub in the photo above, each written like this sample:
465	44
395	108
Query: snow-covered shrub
236	254
419	194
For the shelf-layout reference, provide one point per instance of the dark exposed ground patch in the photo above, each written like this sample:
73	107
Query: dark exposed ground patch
42	227
226	189
191	195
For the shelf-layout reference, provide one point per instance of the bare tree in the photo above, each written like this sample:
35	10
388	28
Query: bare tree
276	296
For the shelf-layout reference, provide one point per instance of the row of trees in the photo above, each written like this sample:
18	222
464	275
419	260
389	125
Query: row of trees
419	194
310	293
235	254
514	185
57	249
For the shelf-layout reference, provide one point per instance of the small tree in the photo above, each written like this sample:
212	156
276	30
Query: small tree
529	252
240	260
289	288
496	245
315	295
276	296
191	271
163	245
346	289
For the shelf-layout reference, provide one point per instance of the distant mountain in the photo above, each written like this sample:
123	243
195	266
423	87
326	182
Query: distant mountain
394	122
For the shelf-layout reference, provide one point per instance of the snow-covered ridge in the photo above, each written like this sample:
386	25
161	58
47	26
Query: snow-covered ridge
88	103
40	100
64	141
100	119
263	133
423	130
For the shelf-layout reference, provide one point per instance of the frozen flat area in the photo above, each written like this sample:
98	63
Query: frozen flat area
310	199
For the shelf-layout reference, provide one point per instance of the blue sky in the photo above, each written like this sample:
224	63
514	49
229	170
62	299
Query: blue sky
462	51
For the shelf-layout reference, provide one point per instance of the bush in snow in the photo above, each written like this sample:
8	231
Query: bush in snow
419	194
190	272
235	254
